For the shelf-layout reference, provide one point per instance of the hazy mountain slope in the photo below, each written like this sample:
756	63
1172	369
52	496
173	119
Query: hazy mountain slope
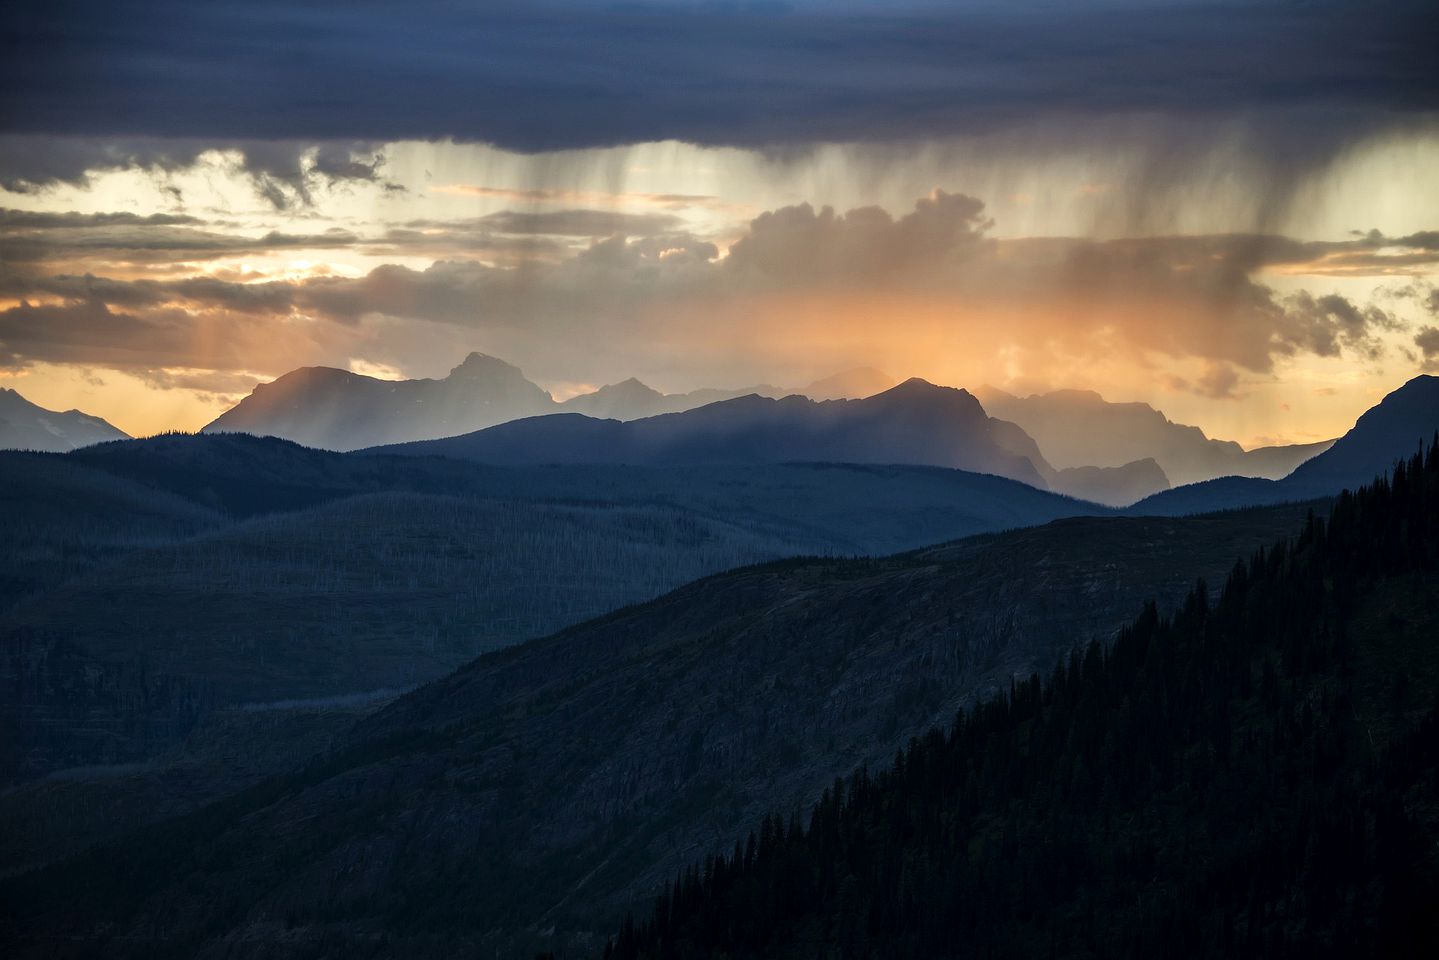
632	400
1403	422
865	509
385	590
1077	428
59	517
914	423
556	782
627	400
359	572
1114	486
338	410
25	426
1389	431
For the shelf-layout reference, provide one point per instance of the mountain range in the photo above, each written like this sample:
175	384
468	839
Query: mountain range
1076	442
913	423
26	426
245	668
334	409
1399	424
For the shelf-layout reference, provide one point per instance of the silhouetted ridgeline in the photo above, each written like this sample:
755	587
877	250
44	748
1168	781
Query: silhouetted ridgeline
1253	776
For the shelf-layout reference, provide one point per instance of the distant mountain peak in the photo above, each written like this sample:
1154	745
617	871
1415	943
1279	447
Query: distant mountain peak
632	386
28	426
481	364
920	389
921	385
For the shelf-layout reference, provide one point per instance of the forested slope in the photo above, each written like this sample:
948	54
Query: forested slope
1252	776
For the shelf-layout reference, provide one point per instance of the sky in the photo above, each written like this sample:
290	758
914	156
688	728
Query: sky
1227	210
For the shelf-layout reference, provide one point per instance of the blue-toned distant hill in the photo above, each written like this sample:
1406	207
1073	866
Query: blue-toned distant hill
1396	427
913	423
143	582
26	426
916	422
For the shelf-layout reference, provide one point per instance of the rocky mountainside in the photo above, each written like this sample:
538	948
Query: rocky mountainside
26	426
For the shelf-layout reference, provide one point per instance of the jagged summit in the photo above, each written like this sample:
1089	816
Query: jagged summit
482	364
631	387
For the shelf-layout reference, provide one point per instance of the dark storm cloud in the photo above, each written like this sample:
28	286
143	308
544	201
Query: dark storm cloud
121	237
139	243
1427	340
861	246
89	332
39	220
284	172
563	74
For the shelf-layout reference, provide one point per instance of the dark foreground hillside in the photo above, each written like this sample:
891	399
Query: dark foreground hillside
1253	776
535	795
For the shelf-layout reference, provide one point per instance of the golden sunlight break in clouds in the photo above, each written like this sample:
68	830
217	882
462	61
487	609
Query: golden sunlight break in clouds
1090	266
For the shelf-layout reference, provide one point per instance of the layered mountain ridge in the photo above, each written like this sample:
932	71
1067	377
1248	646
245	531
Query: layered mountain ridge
335	409
1398	425
1078	428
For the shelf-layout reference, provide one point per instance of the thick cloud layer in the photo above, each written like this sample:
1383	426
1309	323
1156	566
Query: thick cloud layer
796	276
573	73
